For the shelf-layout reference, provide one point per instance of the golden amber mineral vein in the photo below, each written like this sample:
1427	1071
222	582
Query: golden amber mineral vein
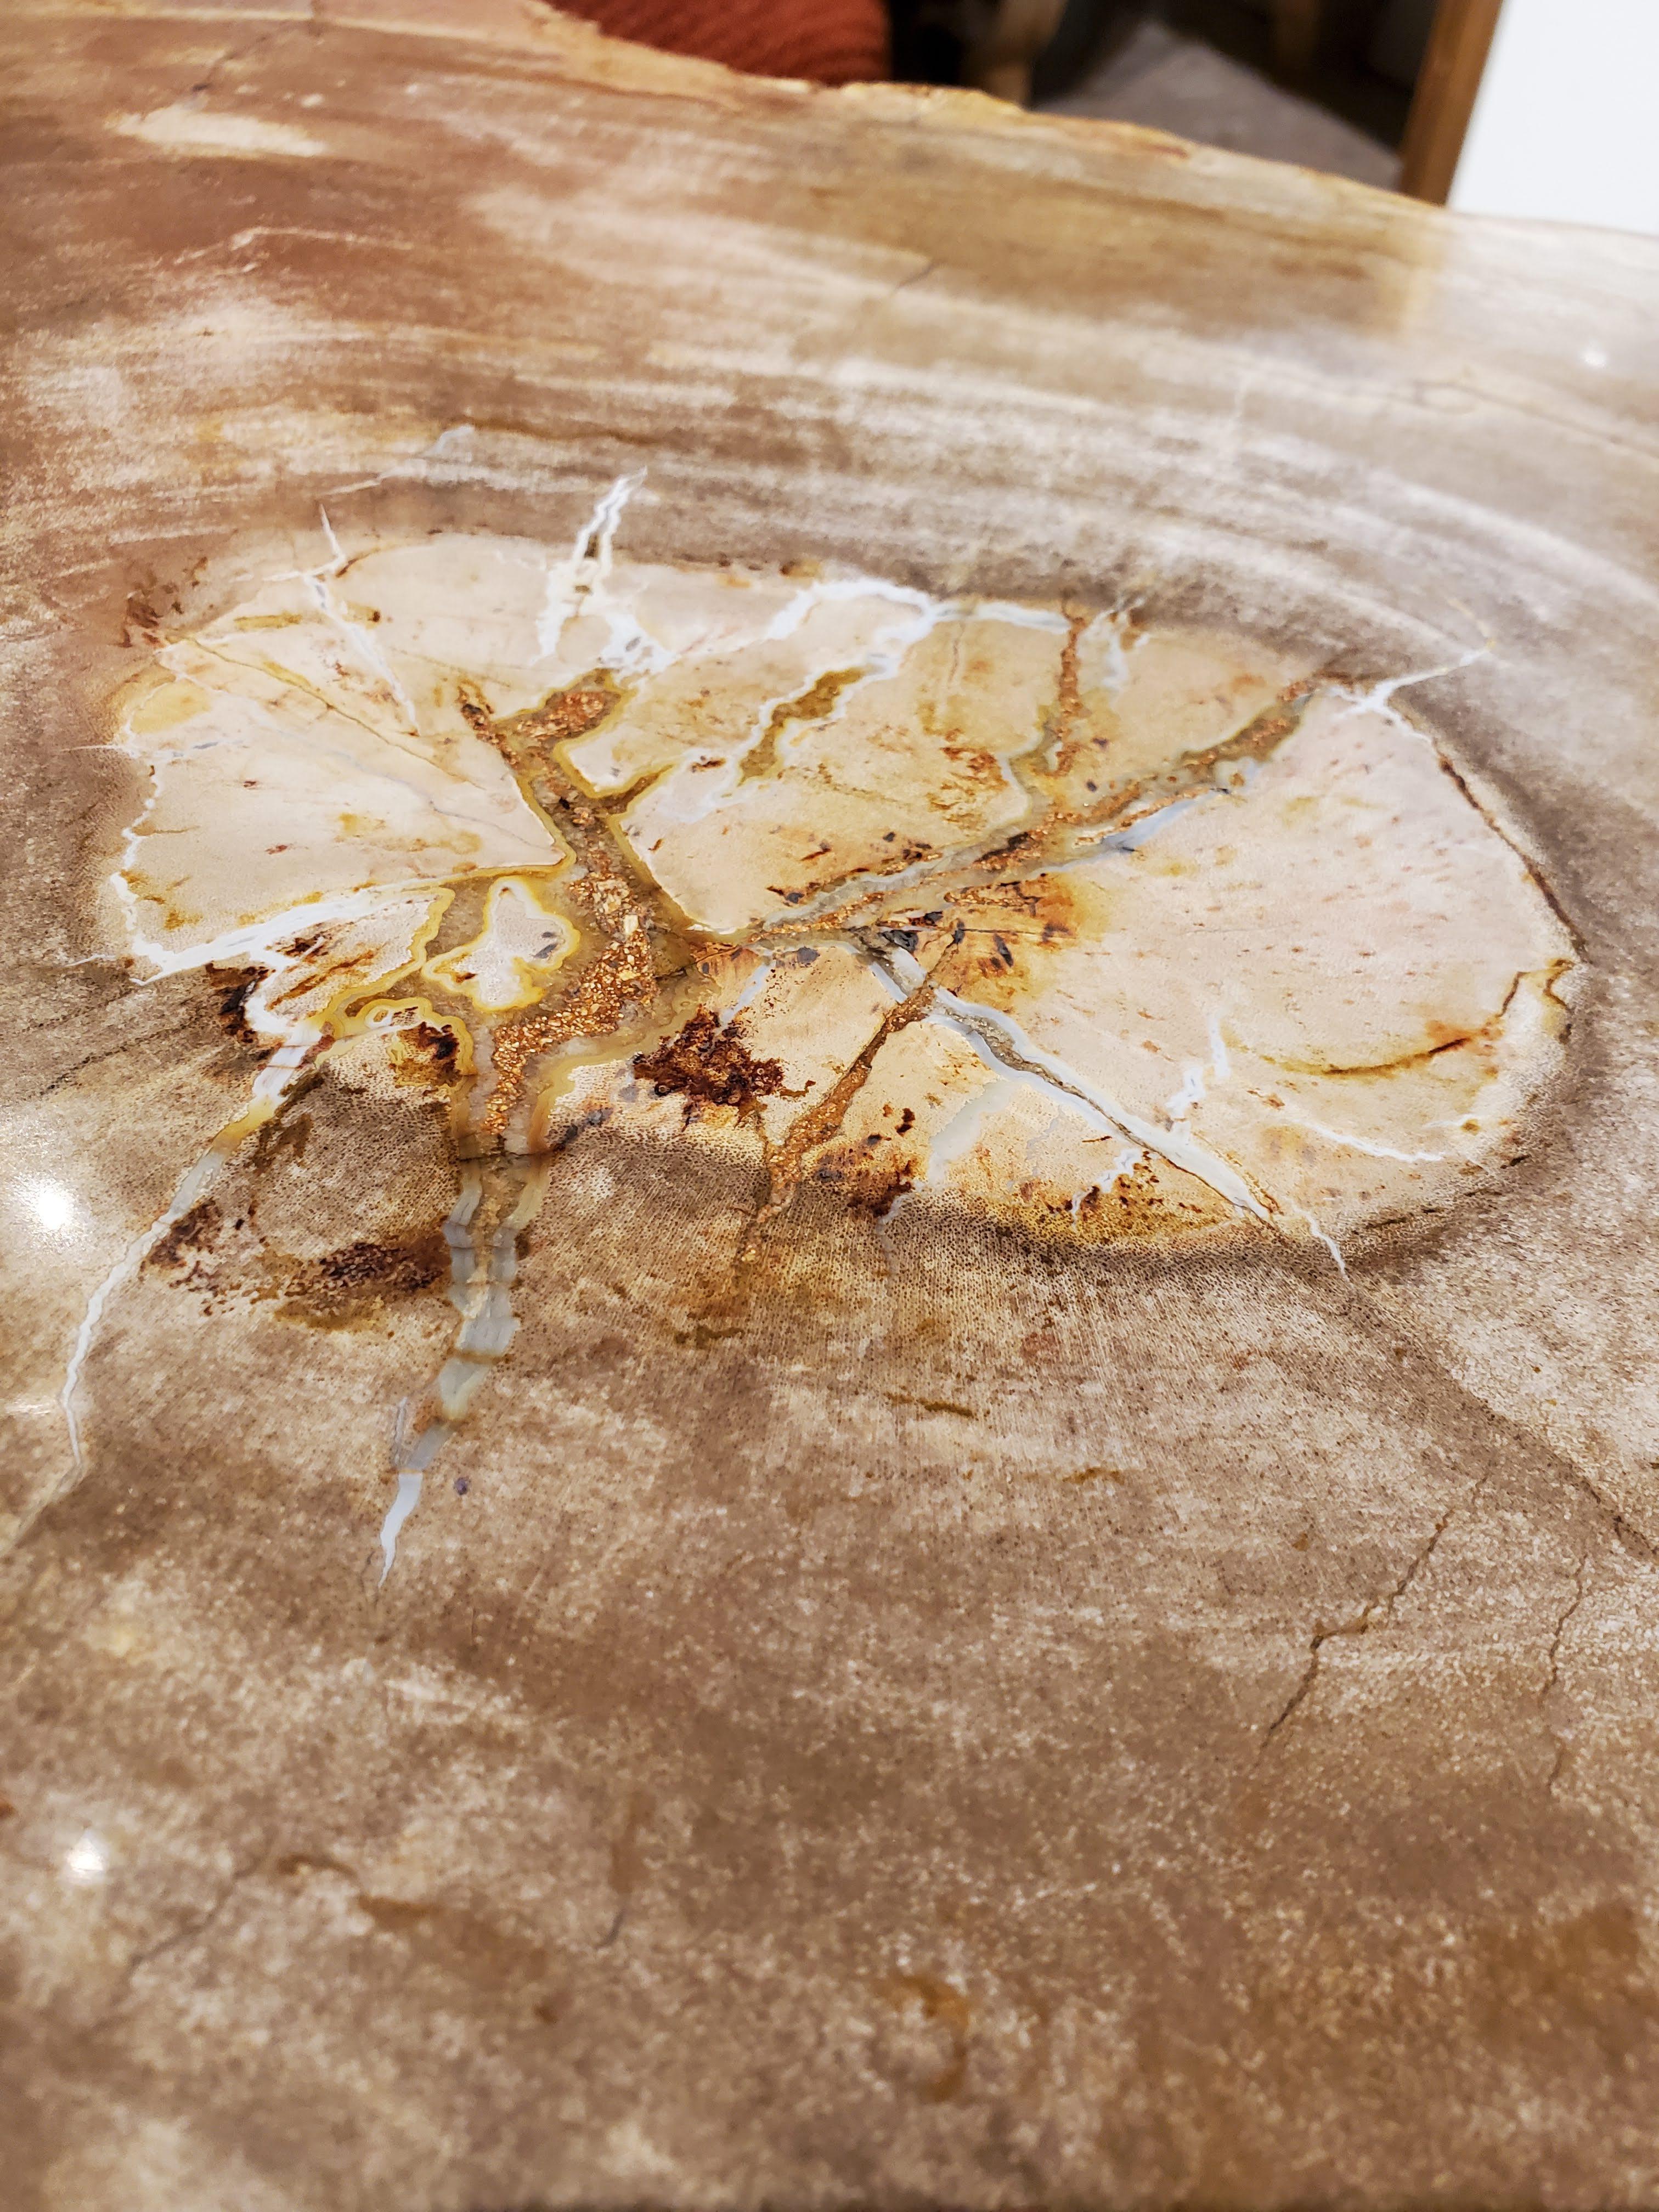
830	870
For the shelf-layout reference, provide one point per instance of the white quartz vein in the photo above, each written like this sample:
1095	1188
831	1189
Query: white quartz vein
1003	1044
483	1270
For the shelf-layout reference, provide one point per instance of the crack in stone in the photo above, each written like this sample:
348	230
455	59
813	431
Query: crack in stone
623	901
1060	836
1007	1047
1461	784
1552	1673
1552	1670
187	1932
820	1122
1547	978
1380	1607
1551	1463
98	1057
1630	1535
233	54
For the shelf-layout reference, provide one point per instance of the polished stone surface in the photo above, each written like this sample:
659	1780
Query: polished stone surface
829	1151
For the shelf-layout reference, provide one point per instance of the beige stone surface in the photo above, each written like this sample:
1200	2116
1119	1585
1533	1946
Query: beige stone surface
829	1158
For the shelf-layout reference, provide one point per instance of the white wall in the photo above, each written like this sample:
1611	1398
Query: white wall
1567	122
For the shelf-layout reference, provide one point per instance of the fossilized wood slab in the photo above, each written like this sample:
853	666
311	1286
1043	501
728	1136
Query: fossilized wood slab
829	1149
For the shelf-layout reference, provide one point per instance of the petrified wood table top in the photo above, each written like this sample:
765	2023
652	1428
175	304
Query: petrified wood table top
829	1149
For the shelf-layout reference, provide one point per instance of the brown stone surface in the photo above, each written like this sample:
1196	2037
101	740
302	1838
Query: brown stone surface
1035	1577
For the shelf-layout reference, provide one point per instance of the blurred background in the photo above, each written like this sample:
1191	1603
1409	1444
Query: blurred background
1540	108
1330	86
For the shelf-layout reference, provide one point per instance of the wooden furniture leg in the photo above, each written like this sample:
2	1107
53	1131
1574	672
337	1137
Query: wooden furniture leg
1450	77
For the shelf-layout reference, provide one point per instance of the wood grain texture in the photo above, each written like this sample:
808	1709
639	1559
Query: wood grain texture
1097	1645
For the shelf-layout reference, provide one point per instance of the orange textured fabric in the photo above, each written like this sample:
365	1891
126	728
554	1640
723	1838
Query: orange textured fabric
834	41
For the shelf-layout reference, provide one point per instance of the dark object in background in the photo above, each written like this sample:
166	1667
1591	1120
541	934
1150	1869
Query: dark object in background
1079	37
829	41
1447	87
1399	40
976	42
929	41
1337	72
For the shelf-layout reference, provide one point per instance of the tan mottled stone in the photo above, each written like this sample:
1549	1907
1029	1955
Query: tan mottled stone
828	1154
